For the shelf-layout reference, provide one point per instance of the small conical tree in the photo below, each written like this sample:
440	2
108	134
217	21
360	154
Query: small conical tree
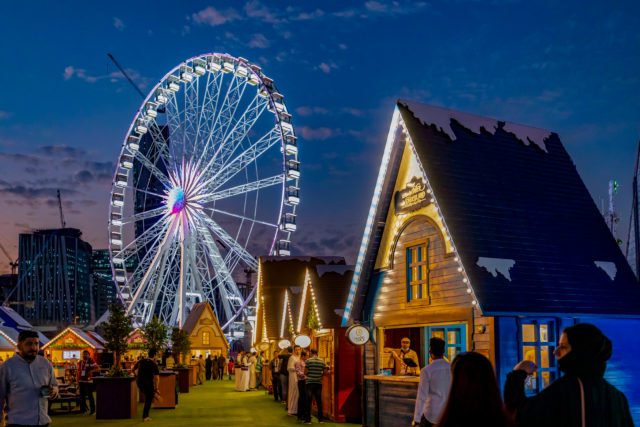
116	331
181	345
155	334
312	319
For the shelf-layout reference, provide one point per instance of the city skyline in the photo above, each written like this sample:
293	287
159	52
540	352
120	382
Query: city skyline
340	67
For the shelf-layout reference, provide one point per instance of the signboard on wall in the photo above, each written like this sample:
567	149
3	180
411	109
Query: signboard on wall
358	335
413	197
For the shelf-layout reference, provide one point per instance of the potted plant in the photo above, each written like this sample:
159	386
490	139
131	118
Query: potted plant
116	392
181	347
155	333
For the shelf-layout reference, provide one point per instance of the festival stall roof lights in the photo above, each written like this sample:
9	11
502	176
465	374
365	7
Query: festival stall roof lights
83	336
331	287
276	276
11	318
198	309
505	192
8	340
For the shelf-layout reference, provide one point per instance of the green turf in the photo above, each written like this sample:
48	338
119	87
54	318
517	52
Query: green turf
213	404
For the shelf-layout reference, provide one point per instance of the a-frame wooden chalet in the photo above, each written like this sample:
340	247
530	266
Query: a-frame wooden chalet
205	332
483	233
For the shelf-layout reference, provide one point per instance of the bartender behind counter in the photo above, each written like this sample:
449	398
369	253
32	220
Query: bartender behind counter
397	362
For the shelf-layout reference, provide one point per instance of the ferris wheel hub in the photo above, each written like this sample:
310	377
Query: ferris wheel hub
176	200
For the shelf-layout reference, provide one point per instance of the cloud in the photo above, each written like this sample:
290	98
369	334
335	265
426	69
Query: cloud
308	16
375	6
4	115
115	76
214	17
352	111
259	41
320	133
327	67
34	192
255	9
342	46
61	150
18	157
118	24
310	111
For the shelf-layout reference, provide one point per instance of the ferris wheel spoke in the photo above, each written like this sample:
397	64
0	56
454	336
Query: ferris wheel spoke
223	275
149	234
144	215
242	189
152	269
225	114
242	217
241	128
209	108
160	142
162	273
157	173
191	100
244	159
174	122
231	243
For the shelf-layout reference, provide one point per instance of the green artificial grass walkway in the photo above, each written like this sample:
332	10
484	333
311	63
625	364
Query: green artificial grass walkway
213	404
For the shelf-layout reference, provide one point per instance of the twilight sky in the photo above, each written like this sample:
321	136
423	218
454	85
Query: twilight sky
572	67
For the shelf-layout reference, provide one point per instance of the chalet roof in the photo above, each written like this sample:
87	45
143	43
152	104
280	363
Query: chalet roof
9	317
84	336
526	229
193	317
281	274
331	287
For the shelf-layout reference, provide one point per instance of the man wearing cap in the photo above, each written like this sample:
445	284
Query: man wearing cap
26	382
397	360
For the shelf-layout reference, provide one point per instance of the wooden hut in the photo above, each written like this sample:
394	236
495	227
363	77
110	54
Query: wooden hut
11	323
281	280
482	232
318	314
136	343
65	350
204	331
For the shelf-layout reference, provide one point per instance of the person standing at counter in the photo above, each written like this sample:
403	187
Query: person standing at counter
435	382
86	368
398	356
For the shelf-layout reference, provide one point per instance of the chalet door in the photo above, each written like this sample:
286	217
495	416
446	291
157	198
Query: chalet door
454	336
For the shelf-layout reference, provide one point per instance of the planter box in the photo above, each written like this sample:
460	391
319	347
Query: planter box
184	379
193	373
116	398
167	388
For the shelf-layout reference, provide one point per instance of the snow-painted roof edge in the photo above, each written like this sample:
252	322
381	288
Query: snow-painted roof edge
441	118
308	258
340	269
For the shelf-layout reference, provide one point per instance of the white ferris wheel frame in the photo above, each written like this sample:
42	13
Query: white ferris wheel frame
188	181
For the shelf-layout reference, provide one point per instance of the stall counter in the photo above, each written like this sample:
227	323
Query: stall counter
396	397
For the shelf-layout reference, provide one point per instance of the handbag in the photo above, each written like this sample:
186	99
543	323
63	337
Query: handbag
582	405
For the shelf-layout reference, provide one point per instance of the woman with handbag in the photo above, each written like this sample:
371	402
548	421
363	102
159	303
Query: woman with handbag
582	397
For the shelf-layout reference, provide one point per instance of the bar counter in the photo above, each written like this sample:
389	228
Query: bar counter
395	398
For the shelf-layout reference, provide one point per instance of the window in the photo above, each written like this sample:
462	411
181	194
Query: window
454	336
418	272
205	338
537	343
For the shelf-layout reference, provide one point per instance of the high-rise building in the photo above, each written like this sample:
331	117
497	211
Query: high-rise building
104	287
54	274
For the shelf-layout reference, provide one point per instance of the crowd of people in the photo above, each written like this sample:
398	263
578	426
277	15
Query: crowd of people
461	394
466	393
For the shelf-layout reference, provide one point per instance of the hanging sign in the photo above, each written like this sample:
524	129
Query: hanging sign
412	197
358	335
303	341
284	344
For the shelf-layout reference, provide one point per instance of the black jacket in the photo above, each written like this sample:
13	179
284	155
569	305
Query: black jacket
559	405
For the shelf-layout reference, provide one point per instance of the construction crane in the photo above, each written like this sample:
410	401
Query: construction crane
62	221
12	264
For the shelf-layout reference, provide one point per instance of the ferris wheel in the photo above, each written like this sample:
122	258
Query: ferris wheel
207	178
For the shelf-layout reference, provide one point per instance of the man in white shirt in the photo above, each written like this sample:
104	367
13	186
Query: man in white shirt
433	391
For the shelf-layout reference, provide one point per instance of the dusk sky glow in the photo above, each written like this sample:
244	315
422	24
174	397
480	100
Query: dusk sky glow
571	67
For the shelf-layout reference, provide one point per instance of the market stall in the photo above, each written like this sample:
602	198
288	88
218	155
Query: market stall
205	333
472	228
136	347
318	316
65	350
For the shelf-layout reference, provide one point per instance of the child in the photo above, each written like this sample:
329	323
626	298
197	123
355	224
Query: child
230	367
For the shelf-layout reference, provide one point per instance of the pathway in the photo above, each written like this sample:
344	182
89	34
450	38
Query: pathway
213	404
